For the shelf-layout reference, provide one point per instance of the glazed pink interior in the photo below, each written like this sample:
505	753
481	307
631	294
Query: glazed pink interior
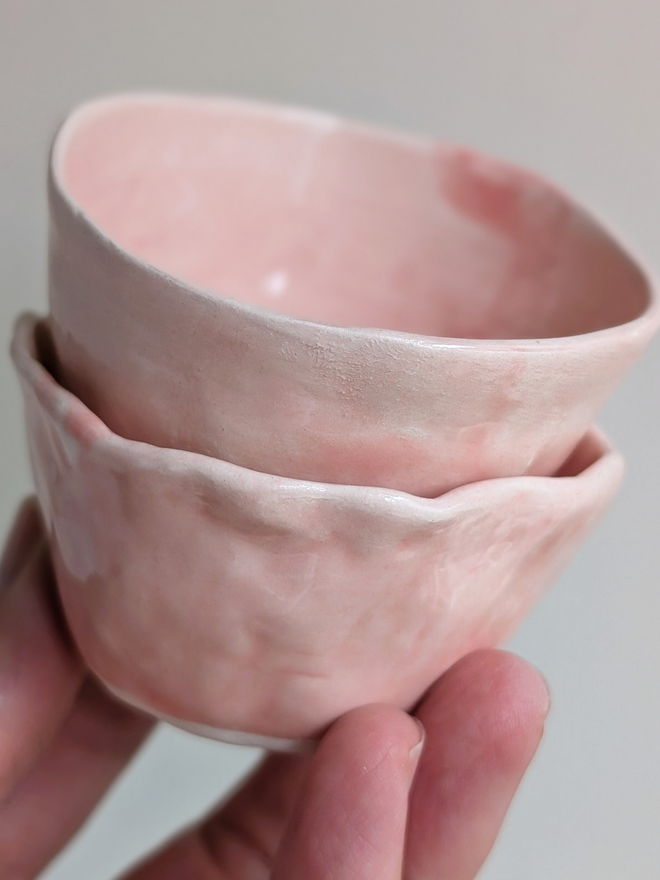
341	224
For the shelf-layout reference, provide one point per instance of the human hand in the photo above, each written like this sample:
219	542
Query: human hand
370	804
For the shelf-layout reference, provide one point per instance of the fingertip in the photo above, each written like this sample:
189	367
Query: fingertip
526	684
484	719
500	677
516	709
376	733
507	694
350	816
39	674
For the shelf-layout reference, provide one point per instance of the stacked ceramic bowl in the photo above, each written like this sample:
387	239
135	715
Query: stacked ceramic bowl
310	417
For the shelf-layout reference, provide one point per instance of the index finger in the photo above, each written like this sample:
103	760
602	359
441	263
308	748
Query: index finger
484	719
39	671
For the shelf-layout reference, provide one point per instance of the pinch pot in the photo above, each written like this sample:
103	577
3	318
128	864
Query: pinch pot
257	608
319	299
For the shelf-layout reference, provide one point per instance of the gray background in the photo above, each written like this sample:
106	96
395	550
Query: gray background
568	87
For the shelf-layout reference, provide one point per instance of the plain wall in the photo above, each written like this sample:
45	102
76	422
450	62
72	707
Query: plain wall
570	88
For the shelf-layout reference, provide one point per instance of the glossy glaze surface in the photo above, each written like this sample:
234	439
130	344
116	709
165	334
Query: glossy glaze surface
264	606
294	293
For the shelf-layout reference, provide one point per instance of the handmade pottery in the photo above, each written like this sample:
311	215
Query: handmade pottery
318	299
258	608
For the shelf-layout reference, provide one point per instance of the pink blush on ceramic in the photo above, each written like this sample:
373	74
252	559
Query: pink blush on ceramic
319	220
317	299
258	608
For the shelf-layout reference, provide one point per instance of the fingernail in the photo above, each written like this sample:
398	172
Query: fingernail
548	706
22	541
416	751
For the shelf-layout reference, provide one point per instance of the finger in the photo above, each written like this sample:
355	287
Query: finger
243	835
48	806
345	807
240	839
350	817
23	537
39	672
484	720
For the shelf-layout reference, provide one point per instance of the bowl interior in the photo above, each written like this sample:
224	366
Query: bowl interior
339	223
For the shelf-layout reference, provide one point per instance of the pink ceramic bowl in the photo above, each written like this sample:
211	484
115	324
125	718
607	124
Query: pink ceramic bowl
257	608
218	268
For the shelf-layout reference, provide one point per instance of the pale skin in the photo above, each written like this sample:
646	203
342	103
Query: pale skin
371	803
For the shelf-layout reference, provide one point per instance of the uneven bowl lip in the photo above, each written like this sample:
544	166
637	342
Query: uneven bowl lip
643	325
80	429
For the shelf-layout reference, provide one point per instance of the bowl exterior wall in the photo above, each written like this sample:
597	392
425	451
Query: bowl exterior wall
252	605
169	364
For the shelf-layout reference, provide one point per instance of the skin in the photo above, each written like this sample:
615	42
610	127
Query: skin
385	796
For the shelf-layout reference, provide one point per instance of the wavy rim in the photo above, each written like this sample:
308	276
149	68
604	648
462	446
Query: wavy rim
86	430
646	322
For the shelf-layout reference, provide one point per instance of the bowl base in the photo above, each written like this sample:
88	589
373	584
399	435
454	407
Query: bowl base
234	737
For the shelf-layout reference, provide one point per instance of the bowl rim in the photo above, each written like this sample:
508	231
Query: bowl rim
80	429
643	325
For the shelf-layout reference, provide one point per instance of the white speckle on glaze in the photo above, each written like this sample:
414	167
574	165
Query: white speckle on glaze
276	283
305	175
68	443
188	201
414	432
324	121
75	539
